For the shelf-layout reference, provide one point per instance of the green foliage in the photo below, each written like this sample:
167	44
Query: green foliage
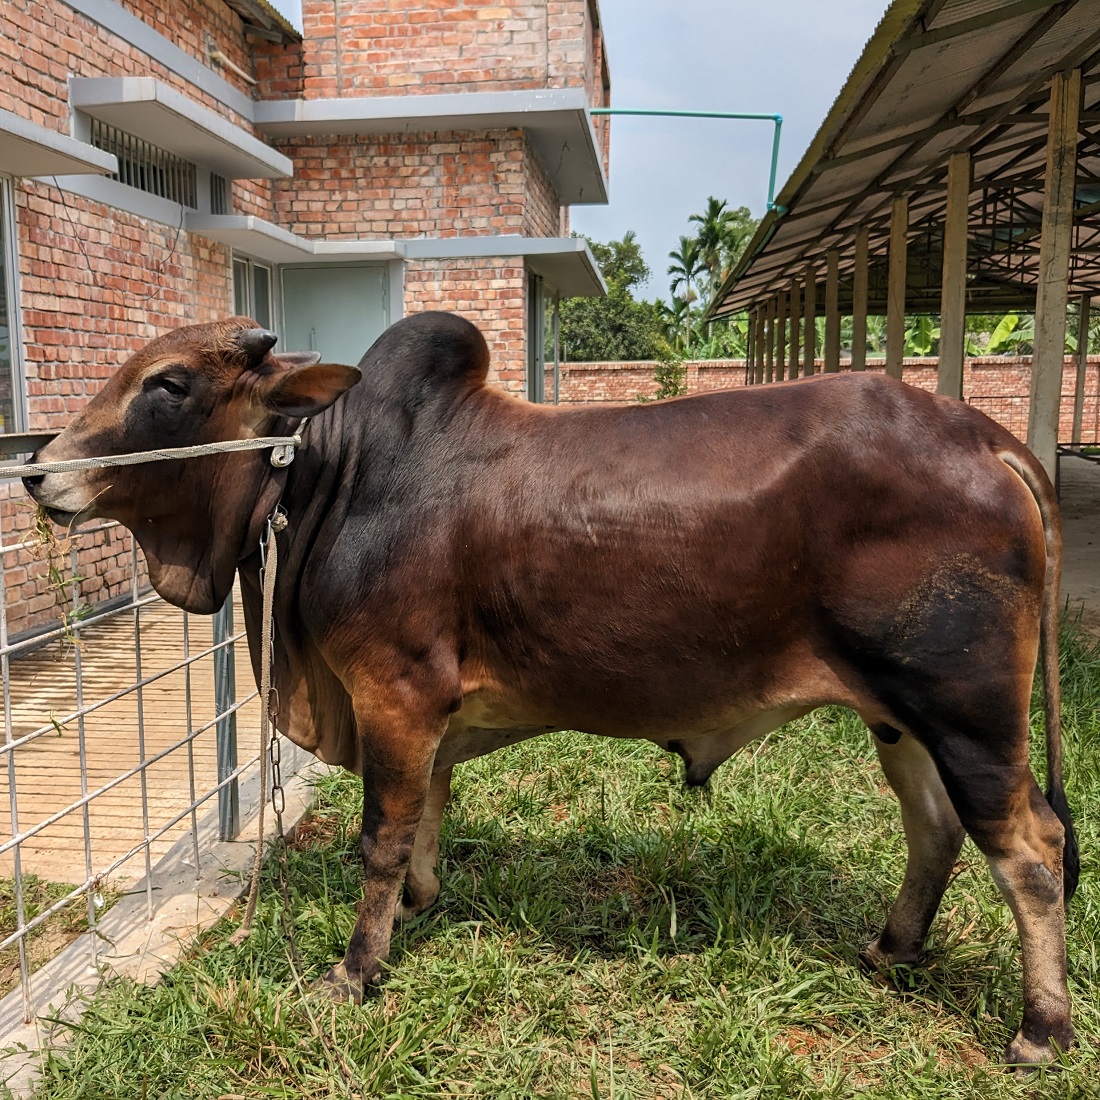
670	374
599	920
618	327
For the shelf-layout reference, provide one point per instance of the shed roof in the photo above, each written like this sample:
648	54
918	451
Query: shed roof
938	77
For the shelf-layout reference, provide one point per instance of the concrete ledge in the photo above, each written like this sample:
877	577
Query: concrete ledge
153	111
130	943
27	149
556	120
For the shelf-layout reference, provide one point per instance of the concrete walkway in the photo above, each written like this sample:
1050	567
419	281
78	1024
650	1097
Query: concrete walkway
1079	480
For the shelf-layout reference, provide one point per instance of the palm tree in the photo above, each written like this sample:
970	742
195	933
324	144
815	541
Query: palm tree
686	267
723	234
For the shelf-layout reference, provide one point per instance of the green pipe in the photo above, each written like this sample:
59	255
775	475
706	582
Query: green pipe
776	120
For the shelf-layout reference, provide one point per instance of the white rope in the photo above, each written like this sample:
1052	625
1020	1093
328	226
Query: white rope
161	455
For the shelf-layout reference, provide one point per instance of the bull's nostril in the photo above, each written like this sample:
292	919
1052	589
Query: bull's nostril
32	481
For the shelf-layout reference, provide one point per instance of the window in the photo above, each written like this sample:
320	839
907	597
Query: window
219	194
252	291
11	390
147	167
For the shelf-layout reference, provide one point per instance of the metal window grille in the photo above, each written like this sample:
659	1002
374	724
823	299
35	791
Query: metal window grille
147	167
219	194
118	747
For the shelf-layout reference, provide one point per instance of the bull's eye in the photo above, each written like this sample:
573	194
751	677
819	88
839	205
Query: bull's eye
175	388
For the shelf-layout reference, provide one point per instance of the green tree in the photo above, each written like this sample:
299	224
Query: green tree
618	327
722	236
686	268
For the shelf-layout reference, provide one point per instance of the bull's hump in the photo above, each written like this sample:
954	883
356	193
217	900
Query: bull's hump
430	350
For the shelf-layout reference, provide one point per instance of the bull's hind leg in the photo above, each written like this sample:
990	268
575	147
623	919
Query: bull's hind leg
422	880
934	836
1000	806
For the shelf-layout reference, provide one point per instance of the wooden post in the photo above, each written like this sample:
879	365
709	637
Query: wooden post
761	327
1053	288
895	292
1082	366
859	301
749	334
795	315
810	341
780	334
832	311
769	344
953	294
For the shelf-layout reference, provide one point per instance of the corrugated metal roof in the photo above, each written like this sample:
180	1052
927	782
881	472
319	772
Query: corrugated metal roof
936	77
263	18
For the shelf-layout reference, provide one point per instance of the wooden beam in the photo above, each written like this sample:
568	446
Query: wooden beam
1054	248
895	294
796	321
780	334
832	311
859	300
953	293
1084	302
810	340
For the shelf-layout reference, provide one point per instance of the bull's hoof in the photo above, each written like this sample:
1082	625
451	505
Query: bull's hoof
413	902
1027	1054
339	986
880	961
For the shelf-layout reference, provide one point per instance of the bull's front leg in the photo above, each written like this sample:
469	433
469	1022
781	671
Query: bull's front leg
398	747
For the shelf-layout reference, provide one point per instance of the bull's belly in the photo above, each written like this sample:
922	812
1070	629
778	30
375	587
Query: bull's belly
485	723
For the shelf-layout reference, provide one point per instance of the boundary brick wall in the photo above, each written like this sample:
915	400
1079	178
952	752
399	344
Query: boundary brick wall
998	385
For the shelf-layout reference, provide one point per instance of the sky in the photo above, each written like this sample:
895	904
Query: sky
787	57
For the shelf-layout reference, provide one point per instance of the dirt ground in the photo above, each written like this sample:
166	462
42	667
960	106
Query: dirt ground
1080	491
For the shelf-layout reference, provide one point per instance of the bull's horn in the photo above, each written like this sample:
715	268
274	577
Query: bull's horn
257	342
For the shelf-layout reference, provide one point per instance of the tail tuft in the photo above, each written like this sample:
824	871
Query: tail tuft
1071	856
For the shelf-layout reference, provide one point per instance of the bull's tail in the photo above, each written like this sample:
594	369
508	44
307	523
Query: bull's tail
1032	476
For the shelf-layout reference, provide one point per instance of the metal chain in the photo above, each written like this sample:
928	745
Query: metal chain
270	748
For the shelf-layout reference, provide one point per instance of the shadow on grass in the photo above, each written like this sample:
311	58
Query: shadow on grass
594	892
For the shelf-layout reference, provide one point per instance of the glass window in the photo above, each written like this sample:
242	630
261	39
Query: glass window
11	402
252	291
261	295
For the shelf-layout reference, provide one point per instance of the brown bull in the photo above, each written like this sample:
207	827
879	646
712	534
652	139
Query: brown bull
463	570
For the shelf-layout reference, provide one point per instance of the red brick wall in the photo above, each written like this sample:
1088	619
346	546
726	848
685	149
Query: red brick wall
436	185
998	385
51	42
96	282
492	293
413	47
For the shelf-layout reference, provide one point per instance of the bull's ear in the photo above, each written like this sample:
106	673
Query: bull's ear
305	391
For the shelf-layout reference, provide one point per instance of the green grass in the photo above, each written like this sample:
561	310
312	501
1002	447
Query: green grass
603	932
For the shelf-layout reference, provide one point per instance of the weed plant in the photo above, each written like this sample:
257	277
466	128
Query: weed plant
604	932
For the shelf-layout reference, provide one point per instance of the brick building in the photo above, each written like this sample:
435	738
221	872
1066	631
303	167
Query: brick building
164	163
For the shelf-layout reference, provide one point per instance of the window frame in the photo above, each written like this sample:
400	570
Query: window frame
9	257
